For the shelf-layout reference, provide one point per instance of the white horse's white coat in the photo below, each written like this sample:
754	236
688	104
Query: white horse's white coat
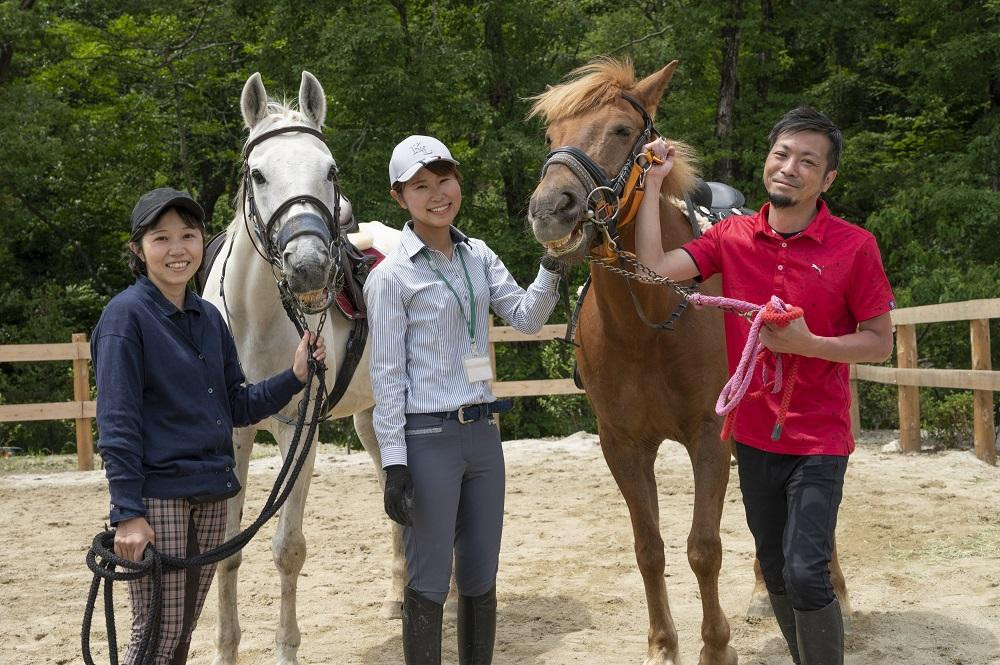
292	164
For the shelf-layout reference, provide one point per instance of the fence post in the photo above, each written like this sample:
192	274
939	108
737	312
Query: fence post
983	427
909	396
81	393
855	406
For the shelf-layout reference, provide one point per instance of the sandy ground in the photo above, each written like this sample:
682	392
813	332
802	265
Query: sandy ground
919	539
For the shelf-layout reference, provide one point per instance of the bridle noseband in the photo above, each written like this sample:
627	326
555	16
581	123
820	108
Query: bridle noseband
327	222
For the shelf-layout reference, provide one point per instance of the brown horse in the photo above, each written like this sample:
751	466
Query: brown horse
645	385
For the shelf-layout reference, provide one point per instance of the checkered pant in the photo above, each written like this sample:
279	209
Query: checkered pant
182	530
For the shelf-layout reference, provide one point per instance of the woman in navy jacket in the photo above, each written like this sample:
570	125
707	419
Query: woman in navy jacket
170	390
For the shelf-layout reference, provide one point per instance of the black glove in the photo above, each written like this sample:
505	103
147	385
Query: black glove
399	494
553	264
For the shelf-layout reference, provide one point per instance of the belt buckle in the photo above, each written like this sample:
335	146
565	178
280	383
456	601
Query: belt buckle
461	415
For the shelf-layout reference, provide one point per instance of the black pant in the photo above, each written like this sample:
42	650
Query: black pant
791	503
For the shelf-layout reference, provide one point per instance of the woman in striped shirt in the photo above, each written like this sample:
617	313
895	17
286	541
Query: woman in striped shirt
429	305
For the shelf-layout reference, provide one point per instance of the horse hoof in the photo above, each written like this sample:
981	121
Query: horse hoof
848	624
391	609
727	657
760	608
224	660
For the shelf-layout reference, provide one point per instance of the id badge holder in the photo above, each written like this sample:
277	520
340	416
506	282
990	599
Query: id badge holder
477	367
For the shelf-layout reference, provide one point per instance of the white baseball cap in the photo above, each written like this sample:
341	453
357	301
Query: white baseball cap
413	153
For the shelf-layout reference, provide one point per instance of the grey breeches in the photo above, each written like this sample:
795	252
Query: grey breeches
458	483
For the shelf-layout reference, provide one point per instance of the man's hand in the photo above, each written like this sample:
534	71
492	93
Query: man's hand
300	366
399	494
131	538
795	338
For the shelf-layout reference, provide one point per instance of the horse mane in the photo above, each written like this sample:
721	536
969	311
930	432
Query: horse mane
598	83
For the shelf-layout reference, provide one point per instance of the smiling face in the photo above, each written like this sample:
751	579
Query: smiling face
172	250
433	197
795	171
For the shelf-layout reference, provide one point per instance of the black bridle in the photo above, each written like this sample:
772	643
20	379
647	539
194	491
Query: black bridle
326	223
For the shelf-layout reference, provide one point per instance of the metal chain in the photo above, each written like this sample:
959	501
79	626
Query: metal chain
647	275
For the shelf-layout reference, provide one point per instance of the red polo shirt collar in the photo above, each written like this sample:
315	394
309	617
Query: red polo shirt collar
816	229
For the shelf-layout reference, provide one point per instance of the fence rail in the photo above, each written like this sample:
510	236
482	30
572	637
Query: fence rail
981	379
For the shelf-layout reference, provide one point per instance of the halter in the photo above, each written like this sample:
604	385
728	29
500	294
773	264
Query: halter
309	224
611	204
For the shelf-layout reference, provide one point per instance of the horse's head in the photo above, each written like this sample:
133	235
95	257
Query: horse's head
600	115
290	190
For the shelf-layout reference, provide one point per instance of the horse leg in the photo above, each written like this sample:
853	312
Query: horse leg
840	588
392	605
632	467
710	462
288	548
227	633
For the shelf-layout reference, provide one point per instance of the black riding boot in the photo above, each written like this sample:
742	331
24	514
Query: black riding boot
785	615
421	629
477	628
821	635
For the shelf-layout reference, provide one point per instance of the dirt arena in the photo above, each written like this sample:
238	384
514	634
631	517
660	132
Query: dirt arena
919	540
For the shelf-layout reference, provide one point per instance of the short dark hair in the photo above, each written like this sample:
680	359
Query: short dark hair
439	168
136	264
806	119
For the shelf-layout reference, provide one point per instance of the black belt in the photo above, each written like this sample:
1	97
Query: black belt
470	413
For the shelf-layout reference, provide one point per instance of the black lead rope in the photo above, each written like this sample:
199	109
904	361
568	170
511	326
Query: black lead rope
102	560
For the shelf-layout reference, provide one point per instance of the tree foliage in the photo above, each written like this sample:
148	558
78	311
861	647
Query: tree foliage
104	100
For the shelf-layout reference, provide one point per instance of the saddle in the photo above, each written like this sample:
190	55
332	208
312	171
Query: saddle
711	202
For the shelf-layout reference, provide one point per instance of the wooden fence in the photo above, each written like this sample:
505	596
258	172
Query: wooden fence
82	408
980	379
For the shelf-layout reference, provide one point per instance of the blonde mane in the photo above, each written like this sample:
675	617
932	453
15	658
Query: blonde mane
599	83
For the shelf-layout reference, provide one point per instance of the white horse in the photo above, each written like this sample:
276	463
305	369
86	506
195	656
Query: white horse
286	198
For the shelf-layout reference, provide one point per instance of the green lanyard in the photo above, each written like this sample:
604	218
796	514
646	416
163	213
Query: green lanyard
470	321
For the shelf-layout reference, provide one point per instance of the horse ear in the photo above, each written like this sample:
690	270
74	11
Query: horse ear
650	89
253	101
312	100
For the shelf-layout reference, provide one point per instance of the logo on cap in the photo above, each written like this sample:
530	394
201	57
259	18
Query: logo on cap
418	147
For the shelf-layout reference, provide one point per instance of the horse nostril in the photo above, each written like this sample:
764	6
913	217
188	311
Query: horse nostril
566	203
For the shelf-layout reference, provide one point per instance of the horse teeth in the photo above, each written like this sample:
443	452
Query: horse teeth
556	244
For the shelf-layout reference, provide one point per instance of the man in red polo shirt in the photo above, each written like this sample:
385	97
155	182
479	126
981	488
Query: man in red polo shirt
796	249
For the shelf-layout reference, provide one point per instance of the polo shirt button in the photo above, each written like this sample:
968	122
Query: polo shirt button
210	391
201	356
784	244
219	422
227	468
780	267
229	484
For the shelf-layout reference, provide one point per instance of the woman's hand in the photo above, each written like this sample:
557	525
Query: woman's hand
132	536
300	366
663	153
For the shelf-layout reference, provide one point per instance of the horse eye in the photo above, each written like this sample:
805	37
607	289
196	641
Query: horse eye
624	131
332	174
258	177
548	141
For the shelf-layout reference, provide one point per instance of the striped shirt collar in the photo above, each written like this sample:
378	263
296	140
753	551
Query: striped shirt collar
413	245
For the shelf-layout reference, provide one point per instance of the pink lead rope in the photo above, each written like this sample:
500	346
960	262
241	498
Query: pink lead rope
778	313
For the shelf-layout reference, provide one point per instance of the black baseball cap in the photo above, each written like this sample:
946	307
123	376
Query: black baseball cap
152	204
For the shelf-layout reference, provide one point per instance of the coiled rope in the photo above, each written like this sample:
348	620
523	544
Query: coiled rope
774	312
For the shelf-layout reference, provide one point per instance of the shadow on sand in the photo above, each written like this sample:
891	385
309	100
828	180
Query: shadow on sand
527	628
